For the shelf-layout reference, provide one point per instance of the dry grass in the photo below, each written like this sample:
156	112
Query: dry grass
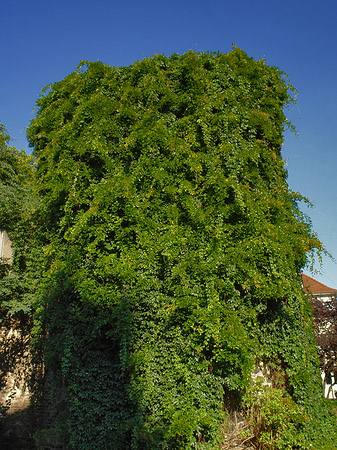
236	433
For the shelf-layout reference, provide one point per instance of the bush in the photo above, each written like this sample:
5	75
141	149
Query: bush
275	420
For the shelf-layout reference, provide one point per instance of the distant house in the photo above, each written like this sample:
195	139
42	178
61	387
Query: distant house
317	289
324	302
6	252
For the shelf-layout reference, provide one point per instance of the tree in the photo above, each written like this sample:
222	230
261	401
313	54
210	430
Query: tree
16	171
17	202
173	246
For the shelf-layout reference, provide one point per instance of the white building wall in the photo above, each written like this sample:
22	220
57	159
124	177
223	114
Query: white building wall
6	251
330	387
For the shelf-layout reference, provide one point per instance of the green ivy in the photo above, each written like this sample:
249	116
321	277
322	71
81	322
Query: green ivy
172	247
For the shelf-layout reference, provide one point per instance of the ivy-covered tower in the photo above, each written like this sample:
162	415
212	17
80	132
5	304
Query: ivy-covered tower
173	247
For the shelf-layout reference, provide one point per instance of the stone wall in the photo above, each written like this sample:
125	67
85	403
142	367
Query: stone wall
17	420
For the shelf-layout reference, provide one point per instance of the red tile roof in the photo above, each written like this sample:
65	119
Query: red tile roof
315	287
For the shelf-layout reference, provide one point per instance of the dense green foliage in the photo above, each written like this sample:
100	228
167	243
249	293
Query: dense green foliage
16	177
275	419
172	249
17	203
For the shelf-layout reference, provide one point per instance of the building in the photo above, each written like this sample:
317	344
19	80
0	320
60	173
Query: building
324	302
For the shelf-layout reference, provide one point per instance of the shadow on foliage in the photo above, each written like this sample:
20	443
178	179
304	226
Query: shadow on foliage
19	371
86	382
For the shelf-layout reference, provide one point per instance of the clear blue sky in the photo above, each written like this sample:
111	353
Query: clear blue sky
44	41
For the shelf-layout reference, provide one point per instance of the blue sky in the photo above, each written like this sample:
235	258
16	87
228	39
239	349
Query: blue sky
42	42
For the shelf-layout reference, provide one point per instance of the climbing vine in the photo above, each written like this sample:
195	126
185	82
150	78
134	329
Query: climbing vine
172	248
